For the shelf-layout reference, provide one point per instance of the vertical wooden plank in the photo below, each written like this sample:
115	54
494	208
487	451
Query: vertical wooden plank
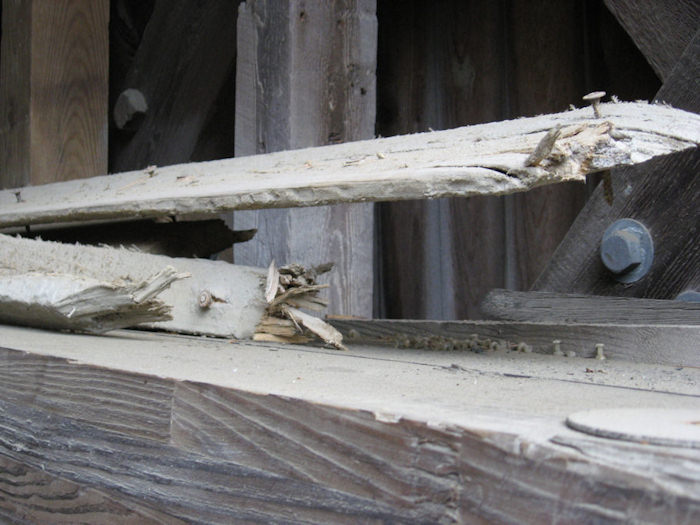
14	93
54	82
440	68
545	77
306	77
184	67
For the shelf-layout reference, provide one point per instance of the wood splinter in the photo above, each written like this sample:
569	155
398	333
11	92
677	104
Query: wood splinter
68	302
286	290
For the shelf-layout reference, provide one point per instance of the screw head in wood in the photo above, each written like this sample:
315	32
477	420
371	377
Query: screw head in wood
594	98
204	299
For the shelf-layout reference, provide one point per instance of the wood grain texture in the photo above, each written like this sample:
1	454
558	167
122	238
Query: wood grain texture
572	308
660	29
15	94
184	59
306	77
246	446
53	109
662	344
487	159
669	211
30	495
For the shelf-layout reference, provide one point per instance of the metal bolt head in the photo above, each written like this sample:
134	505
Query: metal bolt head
621	251
627	250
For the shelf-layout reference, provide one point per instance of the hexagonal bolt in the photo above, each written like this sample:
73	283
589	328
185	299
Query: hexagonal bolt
621	252
129	109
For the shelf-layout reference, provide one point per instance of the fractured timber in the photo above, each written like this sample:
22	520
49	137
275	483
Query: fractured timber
488	159
218	299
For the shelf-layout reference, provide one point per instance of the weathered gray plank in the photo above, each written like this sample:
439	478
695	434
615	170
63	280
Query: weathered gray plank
311	439
552	307
30	495
306	77
661	29
662	344
475	160
668	210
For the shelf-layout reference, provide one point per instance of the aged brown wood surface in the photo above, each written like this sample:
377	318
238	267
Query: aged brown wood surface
439	68
264	432
576	308
306	77
661	29
53	91
184	59
668	211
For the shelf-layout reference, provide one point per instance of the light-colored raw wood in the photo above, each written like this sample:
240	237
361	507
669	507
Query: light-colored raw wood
237	291
53	90
475	160
552	307
69	302
306	77
663	344
273	433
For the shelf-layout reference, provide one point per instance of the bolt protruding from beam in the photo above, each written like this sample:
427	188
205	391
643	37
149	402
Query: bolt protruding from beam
621	251
129	109
627	250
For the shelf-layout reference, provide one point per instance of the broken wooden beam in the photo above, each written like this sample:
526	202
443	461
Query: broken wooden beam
67	302
660	344
219	298
553	307
487	159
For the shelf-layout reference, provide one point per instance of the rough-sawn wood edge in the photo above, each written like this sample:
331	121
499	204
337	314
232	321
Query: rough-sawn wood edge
487	159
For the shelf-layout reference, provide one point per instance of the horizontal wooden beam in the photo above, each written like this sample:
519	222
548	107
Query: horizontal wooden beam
206	430
553	307
496	158
663	344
